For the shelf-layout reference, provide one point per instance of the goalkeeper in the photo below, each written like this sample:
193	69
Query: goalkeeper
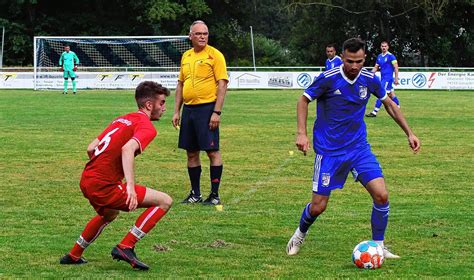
68	63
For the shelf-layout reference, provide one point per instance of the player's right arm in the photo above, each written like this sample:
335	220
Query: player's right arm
177	104
91	147
317	89
128	163
302	140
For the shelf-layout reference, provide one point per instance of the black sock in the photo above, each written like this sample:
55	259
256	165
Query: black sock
195	178
216	174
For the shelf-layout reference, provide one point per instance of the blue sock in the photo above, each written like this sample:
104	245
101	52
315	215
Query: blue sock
377	106
306	219
379	220
395	99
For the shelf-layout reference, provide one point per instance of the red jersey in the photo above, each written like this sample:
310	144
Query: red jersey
106	162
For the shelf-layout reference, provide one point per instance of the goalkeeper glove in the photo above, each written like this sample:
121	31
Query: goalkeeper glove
75	68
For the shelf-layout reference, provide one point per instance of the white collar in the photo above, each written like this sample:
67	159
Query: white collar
346	78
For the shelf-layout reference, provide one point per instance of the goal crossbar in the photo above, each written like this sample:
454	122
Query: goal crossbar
104	52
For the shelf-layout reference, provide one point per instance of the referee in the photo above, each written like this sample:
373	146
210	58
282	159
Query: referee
202	86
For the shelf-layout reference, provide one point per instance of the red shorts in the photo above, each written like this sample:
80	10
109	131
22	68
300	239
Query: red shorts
109	196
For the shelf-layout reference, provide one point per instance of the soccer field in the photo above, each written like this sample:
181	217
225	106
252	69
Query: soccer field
44	136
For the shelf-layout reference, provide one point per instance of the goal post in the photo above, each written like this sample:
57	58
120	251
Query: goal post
122	54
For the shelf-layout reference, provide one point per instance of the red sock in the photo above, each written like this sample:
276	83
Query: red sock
92	230
145	222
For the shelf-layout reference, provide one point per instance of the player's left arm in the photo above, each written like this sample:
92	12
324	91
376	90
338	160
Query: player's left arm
395	70
397	115
91	147
221	91
220	74
128	165
76	61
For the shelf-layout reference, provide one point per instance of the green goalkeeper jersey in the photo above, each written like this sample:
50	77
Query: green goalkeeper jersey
68	60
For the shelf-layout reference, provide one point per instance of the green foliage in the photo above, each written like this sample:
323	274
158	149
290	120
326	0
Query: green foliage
165	10
233	40
17	49
271	52
197	8
264	189
421	32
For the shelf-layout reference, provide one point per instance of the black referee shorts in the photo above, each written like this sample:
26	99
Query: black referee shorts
195	134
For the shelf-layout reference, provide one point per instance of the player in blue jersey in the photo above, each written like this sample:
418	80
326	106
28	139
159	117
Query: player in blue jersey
333	59
388	65
340	139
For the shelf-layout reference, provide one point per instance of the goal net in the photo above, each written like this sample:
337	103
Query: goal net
109	54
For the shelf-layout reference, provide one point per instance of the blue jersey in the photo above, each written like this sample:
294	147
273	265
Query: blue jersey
385	63
334	62
339	126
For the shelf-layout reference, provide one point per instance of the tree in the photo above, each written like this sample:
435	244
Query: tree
421	32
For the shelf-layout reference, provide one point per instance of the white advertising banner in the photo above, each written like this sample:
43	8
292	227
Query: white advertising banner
237	80
436	80
268	80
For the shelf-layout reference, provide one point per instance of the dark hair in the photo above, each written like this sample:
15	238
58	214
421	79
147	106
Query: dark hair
353	45
147	90
384	41
332	45
67	45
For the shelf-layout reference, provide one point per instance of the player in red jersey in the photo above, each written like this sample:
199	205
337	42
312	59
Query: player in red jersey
112	155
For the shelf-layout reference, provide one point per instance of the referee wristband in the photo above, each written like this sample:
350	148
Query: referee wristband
217	112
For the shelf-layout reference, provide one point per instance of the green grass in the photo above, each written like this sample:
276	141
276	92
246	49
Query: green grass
43	140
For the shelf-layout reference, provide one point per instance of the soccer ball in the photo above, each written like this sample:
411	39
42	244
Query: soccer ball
368	254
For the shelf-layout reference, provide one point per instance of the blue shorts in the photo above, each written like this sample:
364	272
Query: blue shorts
330	172
387	84
194	134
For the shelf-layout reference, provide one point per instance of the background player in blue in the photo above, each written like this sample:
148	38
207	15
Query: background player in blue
340	139
388	65
68	62
333	59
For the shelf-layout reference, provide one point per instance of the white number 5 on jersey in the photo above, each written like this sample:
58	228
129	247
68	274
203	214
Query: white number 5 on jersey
105	141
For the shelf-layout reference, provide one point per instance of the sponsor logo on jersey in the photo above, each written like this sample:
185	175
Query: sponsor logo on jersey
124	121
337	92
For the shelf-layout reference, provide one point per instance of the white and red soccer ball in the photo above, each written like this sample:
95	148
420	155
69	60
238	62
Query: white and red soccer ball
368	254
